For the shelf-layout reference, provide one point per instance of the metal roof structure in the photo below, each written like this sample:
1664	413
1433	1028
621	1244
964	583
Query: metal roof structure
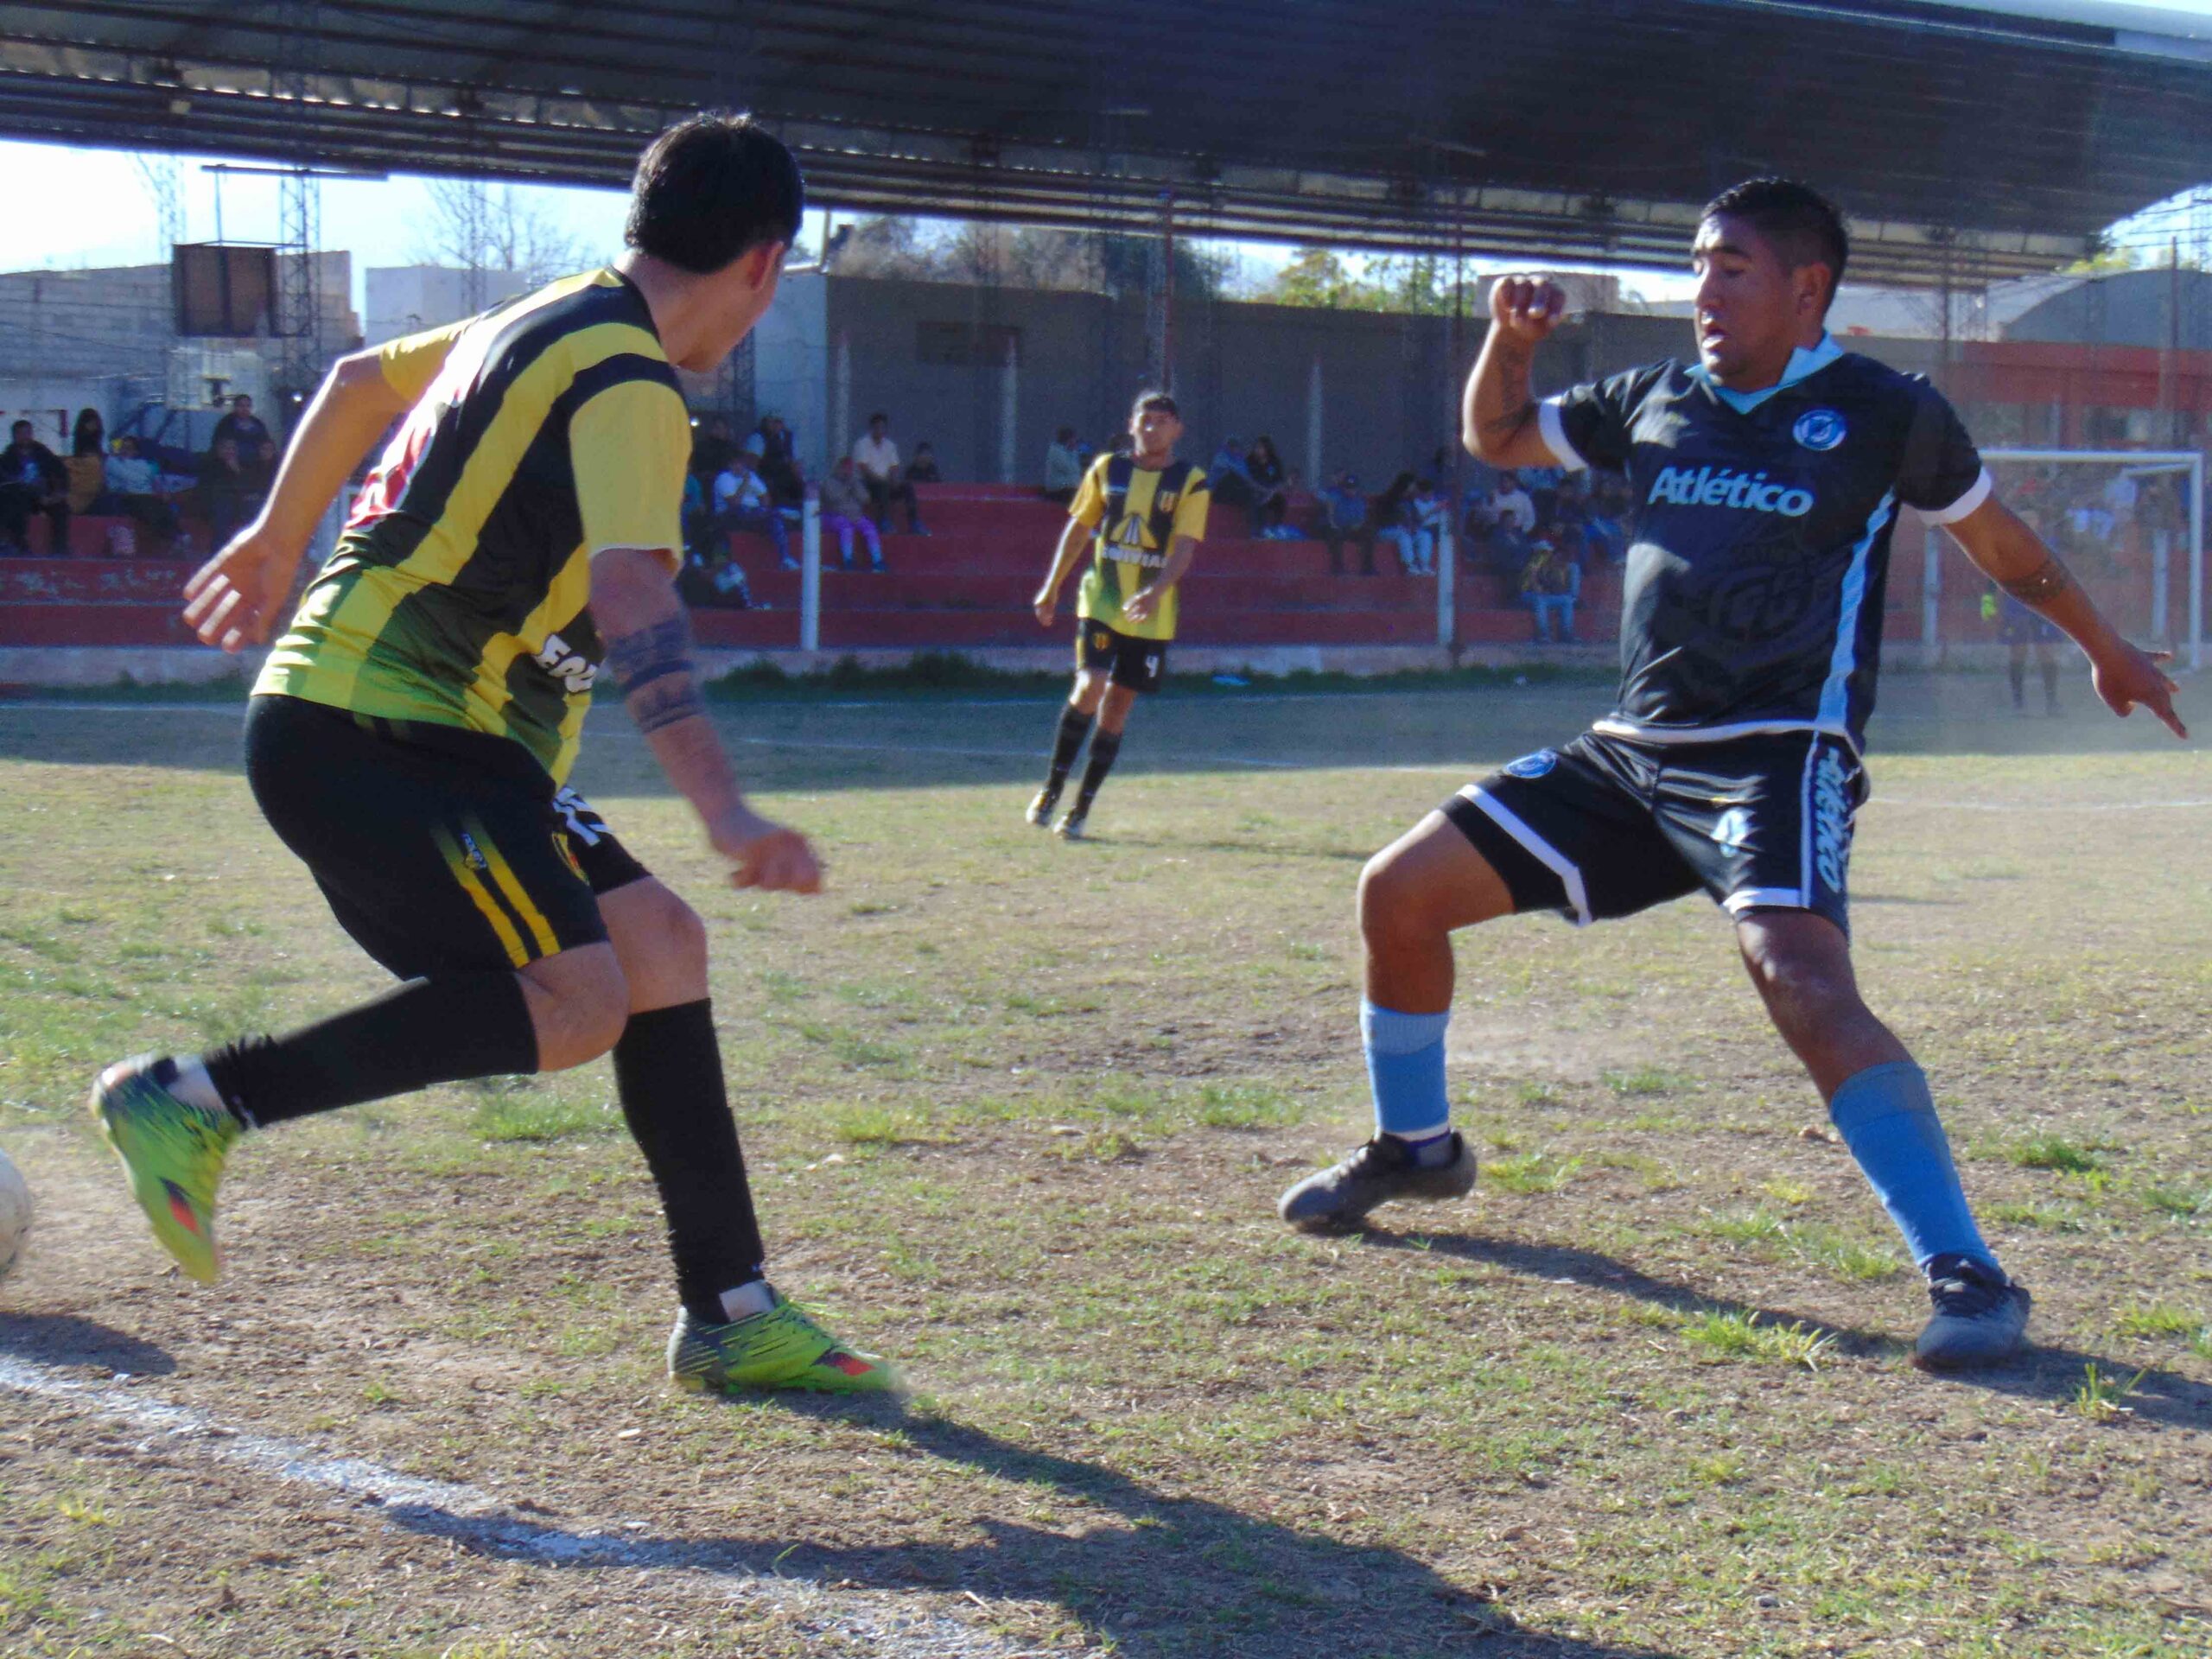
1968	143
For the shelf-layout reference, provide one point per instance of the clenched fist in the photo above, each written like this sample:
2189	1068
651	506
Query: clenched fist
1527	307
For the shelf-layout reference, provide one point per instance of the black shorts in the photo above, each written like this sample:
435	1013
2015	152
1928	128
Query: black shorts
1139	664
456	855
2018	625
1606	827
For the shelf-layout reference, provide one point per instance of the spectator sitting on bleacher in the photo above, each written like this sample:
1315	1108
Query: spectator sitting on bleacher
1302	511
877	459
1347	517
844	513
82	465
922	469
1229	482
247	430
1264	467
133	487
711	447
1063	468
1550	582
779	468
742	502
32	479
1431	512
1395	522
228	490
1511	504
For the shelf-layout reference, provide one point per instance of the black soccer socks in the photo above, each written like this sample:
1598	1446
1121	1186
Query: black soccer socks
1067	743
1104	748
437	1030
668	1071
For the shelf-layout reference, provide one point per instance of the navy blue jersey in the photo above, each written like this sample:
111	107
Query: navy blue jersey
1760	540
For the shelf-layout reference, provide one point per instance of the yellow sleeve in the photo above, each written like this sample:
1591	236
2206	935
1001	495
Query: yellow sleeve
1190	510
627	447
412	361
1090	504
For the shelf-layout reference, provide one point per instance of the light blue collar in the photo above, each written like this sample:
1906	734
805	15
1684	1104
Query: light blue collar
1803	362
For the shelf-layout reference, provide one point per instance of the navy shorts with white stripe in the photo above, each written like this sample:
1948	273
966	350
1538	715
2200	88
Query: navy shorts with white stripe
1608	826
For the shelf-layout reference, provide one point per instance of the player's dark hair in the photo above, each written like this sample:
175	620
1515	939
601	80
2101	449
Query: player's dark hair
1801	224
18	427
1159	400
711	189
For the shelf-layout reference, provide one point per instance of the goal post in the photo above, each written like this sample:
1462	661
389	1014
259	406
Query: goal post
2120	517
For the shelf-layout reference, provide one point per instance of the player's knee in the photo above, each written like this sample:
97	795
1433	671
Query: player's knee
1805	991
1390	907
584	1005
675	935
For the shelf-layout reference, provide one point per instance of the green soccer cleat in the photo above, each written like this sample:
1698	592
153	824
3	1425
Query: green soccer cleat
173	1152
780	1348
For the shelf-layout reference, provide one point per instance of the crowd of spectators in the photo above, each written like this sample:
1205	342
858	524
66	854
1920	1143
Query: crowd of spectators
756	484
149	489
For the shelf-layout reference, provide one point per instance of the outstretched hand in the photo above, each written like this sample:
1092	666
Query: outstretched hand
1527	307
232	600
2128	676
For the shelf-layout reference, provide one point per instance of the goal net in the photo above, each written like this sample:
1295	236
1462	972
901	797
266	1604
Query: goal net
2129	523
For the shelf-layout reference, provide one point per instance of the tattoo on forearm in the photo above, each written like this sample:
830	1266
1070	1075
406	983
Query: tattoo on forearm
652	668
666	702
638	658
2041	585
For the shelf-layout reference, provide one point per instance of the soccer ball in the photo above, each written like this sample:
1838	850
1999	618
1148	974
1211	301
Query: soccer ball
15	1213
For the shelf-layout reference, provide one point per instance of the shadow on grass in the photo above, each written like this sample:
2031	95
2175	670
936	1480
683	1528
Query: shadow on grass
1161	1576
65	1339
2052	1375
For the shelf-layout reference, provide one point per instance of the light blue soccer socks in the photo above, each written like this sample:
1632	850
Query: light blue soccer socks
1888	1120
1405	1068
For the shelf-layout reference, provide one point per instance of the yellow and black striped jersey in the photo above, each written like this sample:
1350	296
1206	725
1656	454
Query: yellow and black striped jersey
458	595
1134	515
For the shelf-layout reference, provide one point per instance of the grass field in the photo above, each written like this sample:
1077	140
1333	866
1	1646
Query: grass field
1018	1113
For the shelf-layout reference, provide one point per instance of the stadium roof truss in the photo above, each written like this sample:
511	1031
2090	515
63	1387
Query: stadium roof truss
1970	145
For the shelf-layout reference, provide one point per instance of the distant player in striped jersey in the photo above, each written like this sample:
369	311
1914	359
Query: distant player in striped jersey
411	734
1142	517
1767	474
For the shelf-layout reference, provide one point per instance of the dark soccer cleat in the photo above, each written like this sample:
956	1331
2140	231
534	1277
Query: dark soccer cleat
1040	810
1071	828
1341	1195
1981	1319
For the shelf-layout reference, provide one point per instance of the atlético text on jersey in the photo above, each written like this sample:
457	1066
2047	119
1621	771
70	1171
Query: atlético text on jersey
1760	540
1134	514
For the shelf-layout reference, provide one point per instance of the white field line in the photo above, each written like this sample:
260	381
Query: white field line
1451	768
885	1620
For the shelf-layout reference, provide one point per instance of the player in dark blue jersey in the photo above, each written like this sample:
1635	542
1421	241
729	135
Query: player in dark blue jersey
1768	476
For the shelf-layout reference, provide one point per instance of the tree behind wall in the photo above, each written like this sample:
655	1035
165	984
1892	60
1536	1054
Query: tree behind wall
1010	257
473	227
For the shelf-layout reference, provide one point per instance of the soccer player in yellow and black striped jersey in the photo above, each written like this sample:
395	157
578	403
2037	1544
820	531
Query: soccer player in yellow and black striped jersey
1142	517
412	730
